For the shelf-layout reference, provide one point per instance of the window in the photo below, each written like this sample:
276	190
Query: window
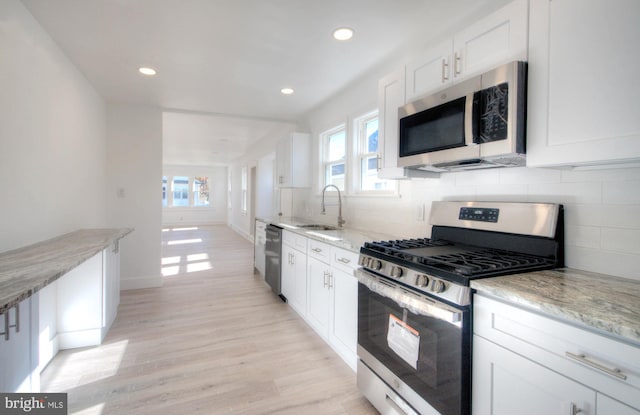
201	191
180	191
244	190
165	202
367	136
334	157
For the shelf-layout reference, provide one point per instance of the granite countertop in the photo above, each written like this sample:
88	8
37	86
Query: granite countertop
602	302
27	270
346	238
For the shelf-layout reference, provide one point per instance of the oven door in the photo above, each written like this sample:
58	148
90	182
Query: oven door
417	345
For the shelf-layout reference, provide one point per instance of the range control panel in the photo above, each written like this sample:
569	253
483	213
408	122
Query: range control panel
479	214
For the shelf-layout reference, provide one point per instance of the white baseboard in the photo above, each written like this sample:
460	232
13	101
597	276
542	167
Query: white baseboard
139	283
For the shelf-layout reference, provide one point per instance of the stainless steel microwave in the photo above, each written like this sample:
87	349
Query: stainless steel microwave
478	123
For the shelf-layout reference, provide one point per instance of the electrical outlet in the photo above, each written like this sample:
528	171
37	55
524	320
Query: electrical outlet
420	212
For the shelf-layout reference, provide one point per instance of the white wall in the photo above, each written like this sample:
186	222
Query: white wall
134	190
52	137
215	213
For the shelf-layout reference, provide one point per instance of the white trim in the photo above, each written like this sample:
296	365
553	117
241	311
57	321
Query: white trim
141	282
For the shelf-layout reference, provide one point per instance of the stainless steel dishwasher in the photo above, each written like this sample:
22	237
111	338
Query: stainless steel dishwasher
273	255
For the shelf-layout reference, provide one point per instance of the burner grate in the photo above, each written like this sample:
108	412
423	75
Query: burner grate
484	261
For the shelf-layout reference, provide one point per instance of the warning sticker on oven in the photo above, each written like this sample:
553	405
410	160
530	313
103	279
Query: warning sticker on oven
404	340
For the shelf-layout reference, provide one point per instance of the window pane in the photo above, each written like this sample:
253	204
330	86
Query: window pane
370	180
164	191
337	146
180	191
201	191
371	132
335	175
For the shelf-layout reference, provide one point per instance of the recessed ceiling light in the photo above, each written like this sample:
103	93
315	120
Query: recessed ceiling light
147	71
343	33
286	91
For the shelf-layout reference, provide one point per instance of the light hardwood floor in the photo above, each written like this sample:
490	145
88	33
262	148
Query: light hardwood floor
212	340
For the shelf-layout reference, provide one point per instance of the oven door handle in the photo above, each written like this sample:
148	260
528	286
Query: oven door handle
416	303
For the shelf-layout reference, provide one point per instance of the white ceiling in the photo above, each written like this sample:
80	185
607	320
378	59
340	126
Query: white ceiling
228	59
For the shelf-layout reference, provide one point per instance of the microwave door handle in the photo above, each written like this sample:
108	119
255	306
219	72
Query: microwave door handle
413	302
469	120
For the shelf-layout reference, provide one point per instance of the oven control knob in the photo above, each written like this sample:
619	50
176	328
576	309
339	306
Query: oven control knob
362	260
376	265
396	272
422	280
437	286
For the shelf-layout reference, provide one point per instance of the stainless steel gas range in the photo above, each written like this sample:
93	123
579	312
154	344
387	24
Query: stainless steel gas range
414	299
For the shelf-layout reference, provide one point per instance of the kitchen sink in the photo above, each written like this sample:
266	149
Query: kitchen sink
329	235
318	227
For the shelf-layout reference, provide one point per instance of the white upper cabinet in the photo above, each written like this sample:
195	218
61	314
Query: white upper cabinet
583	96
390	97
293	160
498	38
430	71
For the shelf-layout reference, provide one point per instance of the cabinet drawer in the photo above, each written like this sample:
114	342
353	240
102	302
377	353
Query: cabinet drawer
294	240
320	251
344	260
588	357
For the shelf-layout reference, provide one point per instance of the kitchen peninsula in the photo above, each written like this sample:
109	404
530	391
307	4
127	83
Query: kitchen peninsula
56	294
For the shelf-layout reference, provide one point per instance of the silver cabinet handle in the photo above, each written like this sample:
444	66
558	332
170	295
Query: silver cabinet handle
330	279
573	409
445	70
612	371
316	250
456	63
8	325
325	283
378	162
343	260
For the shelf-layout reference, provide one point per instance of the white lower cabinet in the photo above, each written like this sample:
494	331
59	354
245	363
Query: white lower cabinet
18	352
527	363
505	383
332	299
294	271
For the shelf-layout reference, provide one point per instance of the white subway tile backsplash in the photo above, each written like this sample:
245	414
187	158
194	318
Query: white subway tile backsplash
566	193
621	192
620	216
582	215
583	236
601	175
522	176
621	240
477	177
604	262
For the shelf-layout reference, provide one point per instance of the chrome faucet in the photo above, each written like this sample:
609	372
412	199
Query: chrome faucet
340	220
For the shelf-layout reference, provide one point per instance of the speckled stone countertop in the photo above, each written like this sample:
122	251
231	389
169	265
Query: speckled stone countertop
346	238
26	270
597	301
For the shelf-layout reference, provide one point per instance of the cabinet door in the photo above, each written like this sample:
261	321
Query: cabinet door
583	94
391	90
111	286
608	406
292	161
318	298
505	383
343	335
430	72
287	273
498	38
15	353
298	298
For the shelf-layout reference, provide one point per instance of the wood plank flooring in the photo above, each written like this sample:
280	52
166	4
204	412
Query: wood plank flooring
212	340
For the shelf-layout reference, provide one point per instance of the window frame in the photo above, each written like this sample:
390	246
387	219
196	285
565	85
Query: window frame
361	152
326	163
